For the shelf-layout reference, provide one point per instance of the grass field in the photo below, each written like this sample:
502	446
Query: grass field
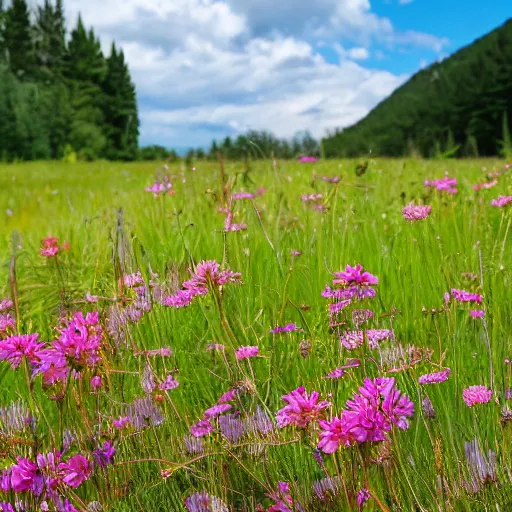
456	459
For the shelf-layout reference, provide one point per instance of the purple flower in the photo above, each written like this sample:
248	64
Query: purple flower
169	383
181	299
202	428
121	423
476	395
96	383
335	308
216	410
26	476
301	408
435	378
337	373
308	159
203	502
428	408
286	328
232	427
7	323
463	296
15	348
311	198
502	201
5	305
242	195
477	313
414	212
246	352
76	470
208	273
355	276
445	184
362	497
352	339
104	456
333	434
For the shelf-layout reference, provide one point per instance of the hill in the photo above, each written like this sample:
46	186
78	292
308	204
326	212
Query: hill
461	106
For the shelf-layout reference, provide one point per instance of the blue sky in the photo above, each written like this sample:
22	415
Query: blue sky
205	69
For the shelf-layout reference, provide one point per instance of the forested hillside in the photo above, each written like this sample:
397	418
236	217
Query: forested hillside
60	95
461	106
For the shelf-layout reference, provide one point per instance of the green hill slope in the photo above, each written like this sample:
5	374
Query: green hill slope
459	106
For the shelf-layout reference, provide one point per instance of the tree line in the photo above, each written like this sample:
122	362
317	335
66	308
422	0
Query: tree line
59	95
461	106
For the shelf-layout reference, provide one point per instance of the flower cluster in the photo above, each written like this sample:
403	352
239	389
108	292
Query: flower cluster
206	276
161	187
476	395
353	283
502	201
50	247
301	408
285	329
414	212
464	296
353	339
369	416
445	184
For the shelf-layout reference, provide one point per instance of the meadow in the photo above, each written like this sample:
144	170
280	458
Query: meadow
168	394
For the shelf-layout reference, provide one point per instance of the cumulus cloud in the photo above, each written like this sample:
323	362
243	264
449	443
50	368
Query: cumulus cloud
204	68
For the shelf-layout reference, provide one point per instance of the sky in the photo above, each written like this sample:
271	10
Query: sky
206	69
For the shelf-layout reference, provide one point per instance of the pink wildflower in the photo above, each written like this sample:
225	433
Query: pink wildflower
476	395
352	339
169	383
445	184
216	410
502	201
308	159
242	195
336	307
121	423
228	396
363	496
477	313
286	328
181	299
355	276
246	352
202	428
25	476
7	323
75	471
435	378
311	198
50	247
6	305
302	409
334	179
15	348
333	435
337	373
208	273
96	383
487	185
414	212
463	296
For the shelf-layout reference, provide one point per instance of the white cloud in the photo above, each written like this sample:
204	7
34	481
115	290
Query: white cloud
204	68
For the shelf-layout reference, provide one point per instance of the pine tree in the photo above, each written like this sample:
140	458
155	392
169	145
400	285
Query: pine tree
18	39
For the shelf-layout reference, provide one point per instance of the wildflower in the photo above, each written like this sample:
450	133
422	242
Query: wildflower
286	328
5	305
502	201
216	410
22	346
463	296
302	408
215	347
232	427
282	498
104	456
50	247
435	378
445	184
477	313
352	339
476	395
334	179
487	185
259	422
352	283
242	195
355	276
121	423
14	418
208	273
308	159
181	299
228	396
336	373
414	212
428	408
25	476
147	380
133	280
162	352
327	488
143	412
169	383
91	299
295	253
374	336
193	445
96	383
481	468
335	308
362	497
202	428
360	316
246	352
334	433
310	198
203	502
75	471
161	188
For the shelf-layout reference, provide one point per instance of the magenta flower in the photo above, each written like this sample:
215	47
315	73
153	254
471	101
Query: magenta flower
169	383
352	339
104	456
133	280
208	273
476	395
216	410
161	188
337	373
374	336
228	396
6	305
435	378
246	352
202	428
121	423
477	313
308	159
355	276
25	476
15	348
230	226
96	383
203	502
363	496
333	435
242	195
286	328
7	323
487	185
337	307
414	212
463	296
361	316
502	201
181	299
311	198
445	184
50	247
333	179
302	409
75	471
